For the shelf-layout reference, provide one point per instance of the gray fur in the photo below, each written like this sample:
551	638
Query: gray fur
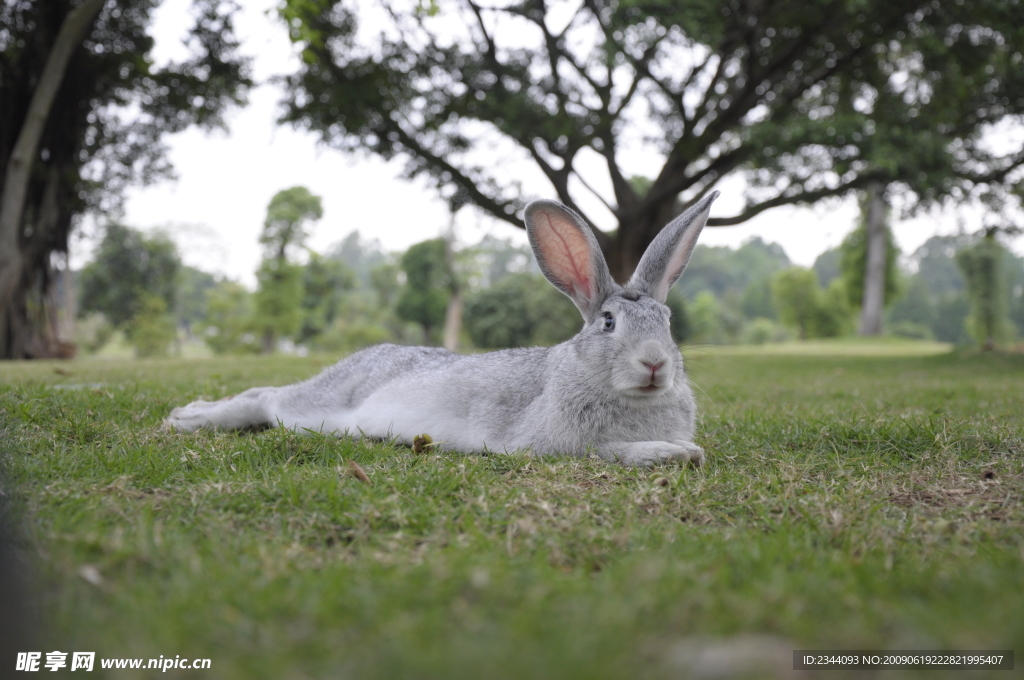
592	393
669	252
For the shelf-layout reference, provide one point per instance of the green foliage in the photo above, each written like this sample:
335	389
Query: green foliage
802	305
281	304
760	331
288	215
193	287
679	321
92	332
324	283
346	336
704	315
983	266
520	310
925	133
386	284
797	91
278	301
916	305
833	317
152	328
935	295
726	271
828	266
756	302
1016	285
853	263
128	266
227	328
112	110
937	267
428	280
361	257
951	313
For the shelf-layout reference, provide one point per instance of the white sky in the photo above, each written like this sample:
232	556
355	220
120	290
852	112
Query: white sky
216	208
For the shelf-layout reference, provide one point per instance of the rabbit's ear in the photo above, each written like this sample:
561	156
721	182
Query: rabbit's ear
665	259
569	255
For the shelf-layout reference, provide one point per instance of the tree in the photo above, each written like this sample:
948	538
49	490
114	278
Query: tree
521	309
128	267
289	215
914	122
278	302
324	282
193	288
984	267
861	274
427	288
229	312
936	295
712	87
800	303
152	328
82	113
279	293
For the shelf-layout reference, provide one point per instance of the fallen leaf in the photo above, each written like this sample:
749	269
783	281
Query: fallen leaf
358	472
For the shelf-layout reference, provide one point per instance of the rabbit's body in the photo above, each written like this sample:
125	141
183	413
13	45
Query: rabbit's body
617	388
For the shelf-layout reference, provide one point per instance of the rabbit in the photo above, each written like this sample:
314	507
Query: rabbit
616	389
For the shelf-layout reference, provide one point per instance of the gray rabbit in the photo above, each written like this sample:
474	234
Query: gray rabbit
616	389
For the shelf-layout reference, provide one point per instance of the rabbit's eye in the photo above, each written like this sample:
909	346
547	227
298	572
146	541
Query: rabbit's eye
609	321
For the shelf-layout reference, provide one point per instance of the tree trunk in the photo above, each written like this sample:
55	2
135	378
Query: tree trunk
453	321
873	302
628	244
269	342
19	165
453	312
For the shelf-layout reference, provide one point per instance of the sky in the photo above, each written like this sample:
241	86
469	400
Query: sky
215	209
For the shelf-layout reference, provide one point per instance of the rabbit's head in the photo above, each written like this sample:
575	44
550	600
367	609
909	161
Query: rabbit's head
625	340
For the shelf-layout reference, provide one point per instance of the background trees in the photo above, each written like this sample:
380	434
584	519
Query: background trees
819	98
428	287
100	132
279	297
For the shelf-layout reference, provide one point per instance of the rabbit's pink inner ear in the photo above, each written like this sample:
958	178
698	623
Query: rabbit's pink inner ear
566	254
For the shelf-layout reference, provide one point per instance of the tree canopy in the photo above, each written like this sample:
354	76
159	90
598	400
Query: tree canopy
279	298
288	214
428	287
821	96
129	268
102	132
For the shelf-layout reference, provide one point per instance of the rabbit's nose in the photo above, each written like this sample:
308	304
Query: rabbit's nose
653	366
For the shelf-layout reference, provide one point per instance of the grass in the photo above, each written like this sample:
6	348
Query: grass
848	502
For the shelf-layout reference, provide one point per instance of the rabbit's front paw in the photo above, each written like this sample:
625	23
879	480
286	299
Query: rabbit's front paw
694	454
189	418
648	454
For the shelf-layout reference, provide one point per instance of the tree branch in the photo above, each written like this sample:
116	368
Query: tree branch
802	197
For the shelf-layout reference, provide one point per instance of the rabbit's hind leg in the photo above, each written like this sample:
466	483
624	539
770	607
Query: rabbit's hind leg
251	408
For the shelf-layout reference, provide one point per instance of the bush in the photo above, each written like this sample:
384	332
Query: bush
520	310
761	330
152	330
813	312
350	337
228	327
92	332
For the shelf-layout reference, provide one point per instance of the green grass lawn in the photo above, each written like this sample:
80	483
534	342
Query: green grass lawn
848	501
